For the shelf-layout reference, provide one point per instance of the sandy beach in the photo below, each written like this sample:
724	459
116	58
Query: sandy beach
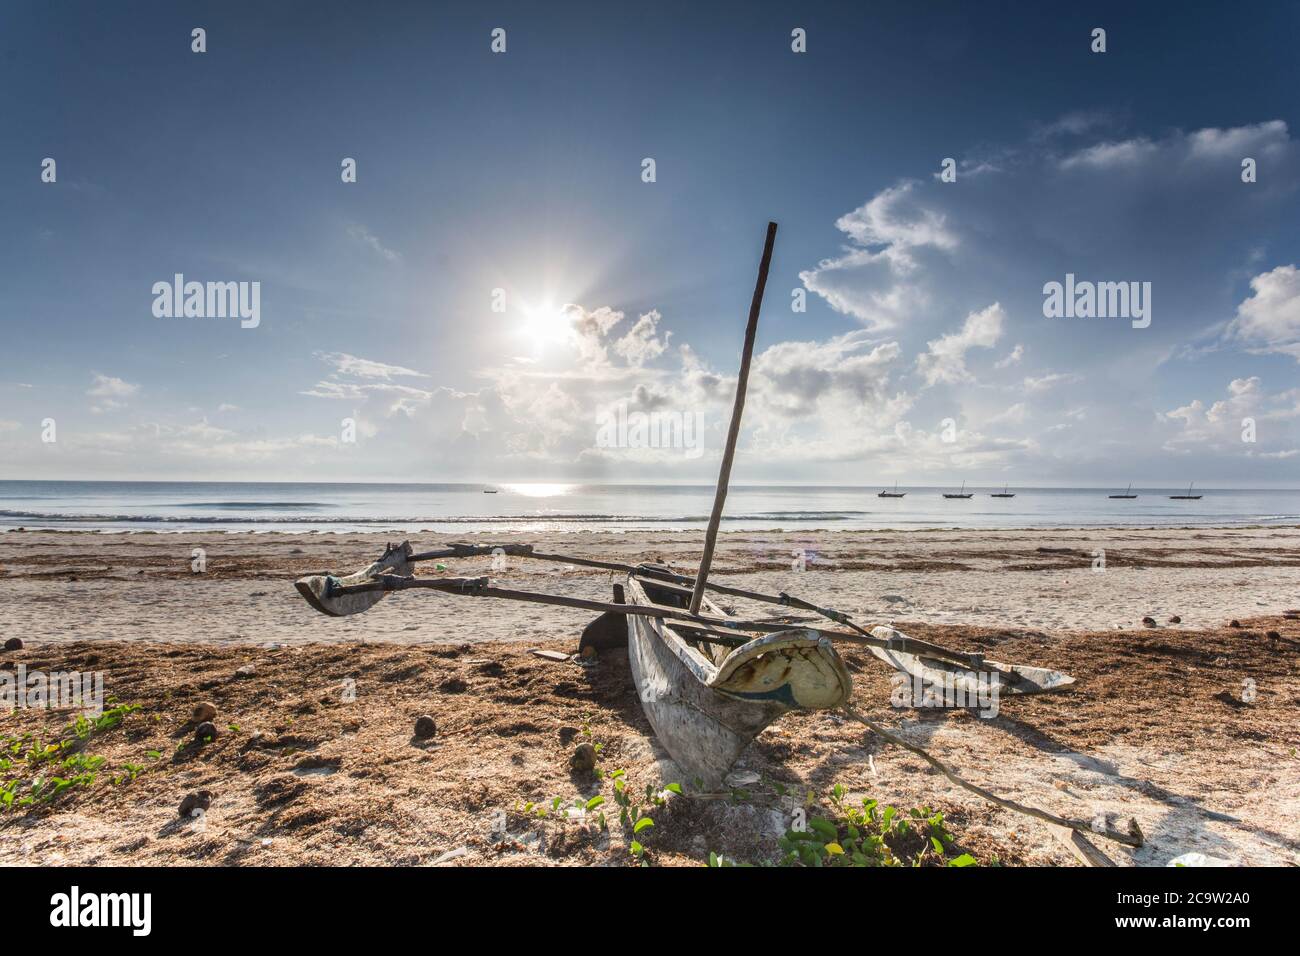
1187	727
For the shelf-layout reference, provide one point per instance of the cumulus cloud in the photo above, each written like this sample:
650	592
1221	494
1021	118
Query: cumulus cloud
1269	320
106	386
111	393
792	378
1219	424
945	357
642	343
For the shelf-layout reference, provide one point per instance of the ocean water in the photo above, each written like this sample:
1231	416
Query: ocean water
250	506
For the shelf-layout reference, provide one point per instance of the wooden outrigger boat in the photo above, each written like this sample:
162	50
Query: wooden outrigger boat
709	682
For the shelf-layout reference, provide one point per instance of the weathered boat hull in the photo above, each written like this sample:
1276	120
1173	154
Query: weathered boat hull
705	712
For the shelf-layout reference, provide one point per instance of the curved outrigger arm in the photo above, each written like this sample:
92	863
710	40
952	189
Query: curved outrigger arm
394	571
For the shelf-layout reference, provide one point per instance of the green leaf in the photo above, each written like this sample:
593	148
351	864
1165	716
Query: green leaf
824	827
964	860
674	787
642	824
594	802
713	859
834	849
938	847
636	848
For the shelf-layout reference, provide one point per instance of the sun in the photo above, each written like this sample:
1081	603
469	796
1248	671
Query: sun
546	324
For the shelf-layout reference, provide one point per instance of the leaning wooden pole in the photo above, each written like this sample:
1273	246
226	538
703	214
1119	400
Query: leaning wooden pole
733	433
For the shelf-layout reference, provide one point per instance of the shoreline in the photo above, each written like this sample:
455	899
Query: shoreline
666	529
60	585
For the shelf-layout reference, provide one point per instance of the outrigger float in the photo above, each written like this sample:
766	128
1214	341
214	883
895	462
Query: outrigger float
710	681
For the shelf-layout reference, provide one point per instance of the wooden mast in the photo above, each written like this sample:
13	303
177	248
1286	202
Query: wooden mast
733	432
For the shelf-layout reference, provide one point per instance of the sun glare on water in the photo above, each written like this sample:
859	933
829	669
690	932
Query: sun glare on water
539	490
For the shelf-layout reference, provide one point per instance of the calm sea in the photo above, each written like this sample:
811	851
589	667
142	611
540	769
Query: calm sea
249	506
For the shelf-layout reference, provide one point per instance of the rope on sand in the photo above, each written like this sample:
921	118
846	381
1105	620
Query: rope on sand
1132	838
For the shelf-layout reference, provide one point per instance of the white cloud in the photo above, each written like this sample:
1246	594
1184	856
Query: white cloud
641	344
791	379
1042	383
871	280
1219	425
1013	415
1012	358
106	386
345	364
1269	320
945	358
364	236
111	393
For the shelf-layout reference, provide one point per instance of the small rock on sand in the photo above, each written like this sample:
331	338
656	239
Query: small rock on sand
248	670
204	711
1175	619
199	800
14	644
1149	622
204	731
584	758
1234	623
741	778
425	727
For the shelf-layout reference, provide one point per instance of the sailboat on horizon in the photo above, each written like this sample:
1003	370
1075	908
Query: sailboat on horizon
1187	497
892	494
961	494
1126	493
1003	493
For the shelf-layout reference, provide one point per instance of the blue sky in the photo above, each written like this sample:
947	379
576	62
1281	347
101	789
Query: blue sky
522	172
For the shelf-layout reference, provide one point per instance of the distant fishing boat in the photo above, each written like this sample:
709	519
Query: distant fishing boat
1003	493
1187	497
961	494
490	491
892	494
1126	492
